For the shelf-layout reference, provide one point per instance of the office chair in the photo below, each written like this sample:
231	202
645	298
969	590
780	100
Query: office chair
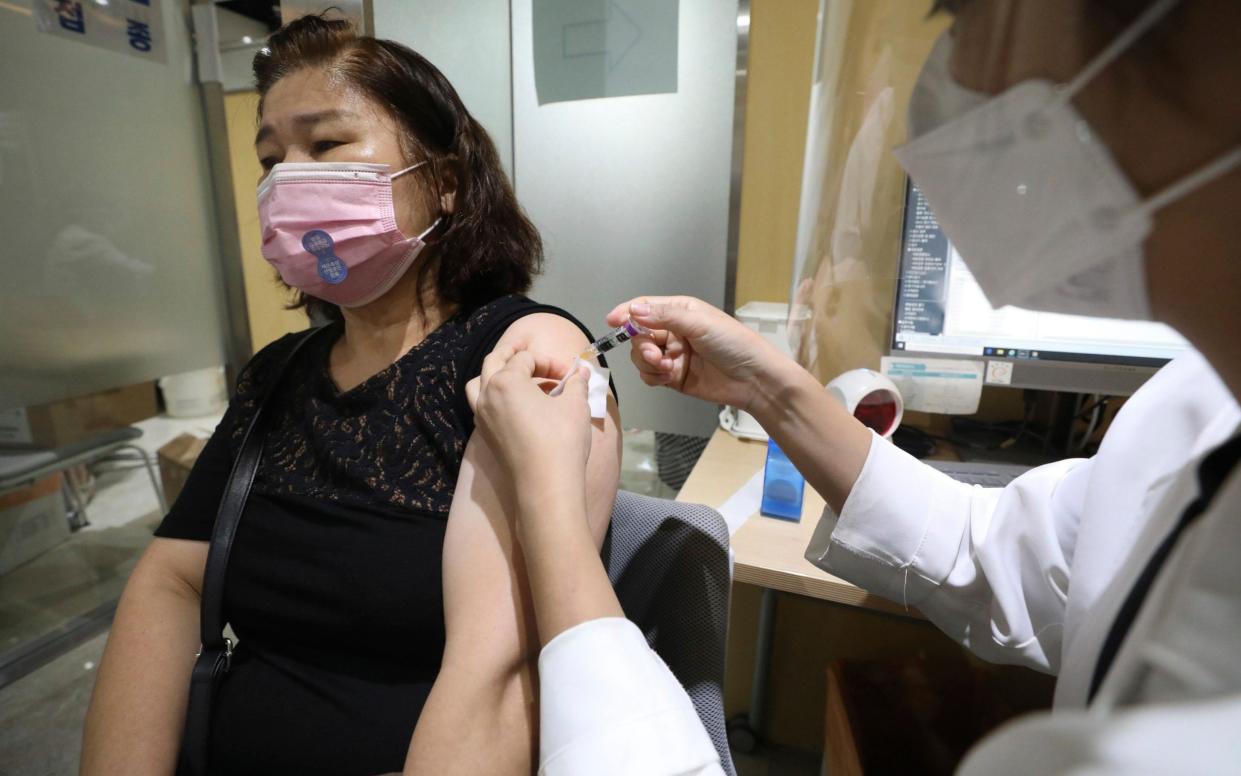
669	565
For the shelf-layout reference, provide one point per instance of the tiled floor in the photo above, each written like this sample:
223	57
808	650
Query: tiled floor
41	714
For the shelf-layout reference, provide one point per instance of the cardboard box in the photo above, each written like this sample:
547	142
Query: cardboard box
32	521
175	461
64	422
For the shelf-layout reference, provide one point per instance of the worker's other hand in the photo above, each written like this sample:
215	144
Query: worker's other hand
542	441
697	349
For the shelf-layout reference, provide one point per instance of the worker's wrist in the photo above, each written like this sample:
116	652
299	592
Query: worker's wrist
538	474
553	532
825	442
551	498
780	383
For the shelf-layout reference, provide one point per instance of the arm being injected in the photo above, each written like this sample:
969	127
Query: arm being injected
621	334
579	622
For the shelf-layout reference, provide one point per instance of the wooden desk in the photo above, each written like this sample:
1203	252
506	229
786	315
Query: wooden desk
769	553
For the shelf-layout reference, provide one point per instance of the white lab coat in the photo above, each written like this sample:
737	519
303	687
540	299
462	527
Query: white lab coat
1032	574
609	706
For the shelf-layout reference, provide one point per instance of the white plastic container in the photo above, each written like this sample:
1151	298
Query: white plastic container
195	394
770	319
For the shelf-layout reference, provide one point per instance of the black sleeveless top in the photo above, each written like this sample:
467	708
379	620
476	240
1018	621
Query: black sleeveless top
334	586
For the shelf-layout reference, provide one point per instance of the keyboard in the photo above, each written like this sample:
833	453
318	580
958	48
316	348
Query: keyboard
984	473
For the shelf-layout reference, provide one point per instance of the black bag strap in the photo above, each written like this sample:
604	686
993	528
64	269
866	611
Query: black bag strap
215	655
233	503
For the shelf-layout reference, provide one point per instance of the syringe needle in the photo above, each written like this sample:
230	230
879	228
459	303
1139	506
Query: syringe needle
620	334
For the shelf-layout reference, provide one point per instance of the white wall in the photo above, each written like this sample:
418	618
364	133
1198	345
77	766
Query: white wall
631	193
468	41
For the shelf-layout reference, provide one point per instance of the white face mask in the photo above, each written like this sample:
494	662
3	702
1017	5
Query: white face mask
937	97
1032	199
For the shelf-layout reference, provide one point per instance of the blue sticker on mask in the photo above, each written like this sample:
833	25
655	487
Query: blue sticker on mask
320	245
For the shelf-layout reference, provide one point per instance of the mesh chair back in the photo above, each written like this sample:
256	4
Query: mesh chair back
669	565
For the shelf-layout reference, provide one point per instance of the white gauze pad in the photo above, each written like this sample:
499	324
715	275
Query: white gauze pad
596	388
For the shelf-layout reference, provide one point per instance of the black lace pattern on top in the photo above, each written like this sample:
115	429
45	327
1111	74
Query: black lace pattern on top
398	438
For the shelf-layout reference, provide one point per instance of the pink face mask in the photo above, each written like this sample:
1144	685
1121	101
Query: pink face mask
331	231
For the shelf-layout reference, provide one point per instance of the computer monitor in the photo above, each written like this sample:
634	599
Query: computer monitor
940	312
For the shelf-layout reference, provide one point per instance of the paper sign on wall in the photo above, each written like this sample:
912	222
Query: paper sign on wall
15	427
134	27
585	49
941	385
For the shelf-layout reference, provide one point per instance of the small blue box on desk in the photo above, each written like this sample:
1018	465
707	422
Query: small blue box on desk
783	486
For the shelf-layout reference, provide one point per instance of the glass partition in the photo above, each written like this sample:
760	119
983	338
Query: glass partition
109	279
849	226
108	260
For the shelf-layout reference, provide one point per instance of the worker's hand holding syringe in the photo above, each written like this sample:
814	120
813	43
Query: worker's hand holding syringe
623	333
702	351
696	349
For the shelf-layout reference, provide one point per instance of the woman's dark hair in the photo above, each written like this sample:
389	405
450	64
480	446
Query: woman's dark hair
486	248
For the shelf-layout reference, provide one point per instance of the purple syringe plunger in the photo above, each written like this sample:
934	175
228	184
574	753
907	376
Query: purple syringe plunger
634	329
623	333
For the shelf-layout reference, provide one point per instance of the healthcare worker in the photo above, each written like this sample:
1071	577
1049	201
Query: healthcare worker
1115	194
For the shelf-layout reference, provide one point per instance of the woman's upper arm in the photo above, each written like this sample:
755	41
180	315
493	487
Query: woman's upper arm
554	335
486	686
174	564
487	615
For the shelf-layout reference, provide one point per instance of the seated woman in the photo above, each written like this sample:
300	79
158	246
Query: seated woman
372	584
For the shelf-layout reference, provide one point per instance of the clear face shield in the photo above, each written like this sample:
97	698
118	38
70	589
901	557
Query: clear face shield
869	55
1002	127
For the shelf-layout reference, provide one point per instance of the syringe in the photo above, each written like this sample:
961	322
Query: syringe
621	334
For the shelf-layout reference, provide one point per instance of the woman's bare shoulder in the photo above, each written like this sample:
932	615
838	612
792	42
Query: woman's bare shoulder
554	334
